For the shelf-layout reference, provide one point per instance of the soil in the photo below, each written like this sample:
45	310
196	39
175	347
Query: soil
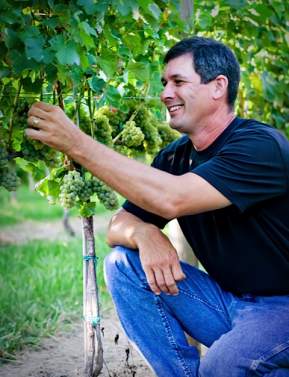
61	355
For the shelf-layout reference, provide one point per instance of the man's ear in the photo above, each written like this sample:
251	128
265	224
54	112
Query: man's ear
220	87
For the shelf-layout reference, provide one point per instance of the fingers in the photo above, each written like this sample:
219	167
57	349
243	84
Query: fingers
35	111
170	282
160	280
178	272
34	134
152	281
34	122
43	106
165	280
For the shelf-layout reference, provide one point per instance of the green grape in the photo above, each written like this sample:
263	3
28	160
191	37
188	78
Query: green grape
132	136
72	185
9	179
105	194
115	116
103	129
167	134
87	191
3	158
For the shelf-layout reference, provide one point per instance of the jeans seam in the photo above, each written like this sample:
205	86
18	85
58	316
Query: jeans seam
267	356
170	336
217	308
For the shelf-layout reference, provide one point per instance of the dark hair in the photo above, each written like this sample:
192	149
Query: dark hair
210	59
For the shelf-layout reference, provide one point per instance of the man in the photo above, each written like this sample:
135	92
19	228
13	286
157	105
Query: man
226	181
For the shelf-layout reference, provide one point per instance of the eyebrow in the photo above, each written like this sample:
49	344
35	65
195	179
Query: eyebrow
173	77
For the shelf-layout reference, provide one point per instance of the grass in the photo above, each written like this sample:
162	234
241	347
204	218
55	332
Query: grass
41	290
29	205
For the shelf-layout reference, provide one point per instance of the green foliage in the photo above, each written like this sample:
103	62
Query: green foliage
258	33
89	57
80	55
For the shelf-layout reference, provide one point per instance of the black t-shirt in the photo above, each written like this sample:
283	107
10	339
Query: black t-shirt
245	246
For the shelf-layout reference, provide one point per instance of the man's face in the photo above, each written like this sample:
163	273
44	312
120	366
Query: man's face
187	100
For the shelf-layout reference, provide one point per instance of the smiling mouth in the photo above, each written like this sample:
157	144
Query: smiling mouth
173	109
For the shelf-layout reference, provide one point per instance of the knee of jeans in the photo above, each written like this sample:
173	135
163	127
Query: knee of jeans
118	264
226	363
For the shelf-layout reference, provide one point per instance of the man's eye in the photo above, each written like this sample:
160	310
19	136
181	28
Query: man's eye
178	82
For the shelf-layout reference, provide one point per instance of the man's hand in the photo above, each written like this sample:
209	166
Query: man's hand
159	259
51	126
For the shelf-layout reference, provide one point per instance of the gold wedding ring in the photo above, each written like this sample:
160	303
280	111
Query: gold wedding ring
35	121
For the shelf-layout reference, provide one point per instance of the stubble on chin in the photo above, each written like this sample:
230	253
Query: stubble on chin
176	126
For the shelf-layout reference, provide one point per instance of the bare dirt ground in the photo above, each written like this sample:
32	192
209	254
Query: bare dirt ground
61	355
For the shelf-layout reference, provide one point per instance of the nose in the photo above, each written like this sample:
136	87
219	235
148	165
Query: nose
167	93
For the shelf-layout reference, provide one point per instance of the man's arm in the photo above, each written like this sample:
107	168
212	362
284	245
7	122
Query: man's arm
154	190
158	257
122	228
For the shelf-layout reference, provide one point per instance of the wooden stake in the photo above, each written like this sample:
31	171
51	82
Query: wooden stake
93	351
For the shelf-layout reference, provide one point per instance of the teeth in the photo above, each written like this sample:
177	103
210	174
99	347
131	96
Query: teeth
174	108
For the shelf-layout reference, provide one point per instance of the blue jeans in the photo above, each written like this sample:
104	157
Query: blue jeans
247	336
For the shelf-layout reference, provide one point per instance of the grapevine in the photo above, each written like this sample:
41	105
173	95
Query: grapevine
130	132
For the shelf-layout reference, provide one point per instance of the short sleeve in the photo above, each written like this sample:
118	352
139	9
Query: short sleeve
247	170
144	215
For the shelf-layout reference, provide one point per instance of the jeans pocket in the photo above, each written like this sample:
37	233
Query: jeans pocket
276	357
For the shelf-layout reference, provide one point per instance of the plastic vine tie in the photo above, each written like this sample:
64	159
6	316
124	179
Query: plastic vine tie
90	257
94	320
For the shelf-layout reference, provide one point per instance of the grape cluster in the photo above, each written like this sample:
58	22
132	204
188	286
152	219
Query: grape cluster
34	151
77	189
115	116
105	194
132	136
87	190
167	134
72	184
8	176
148	125
103	129
9	179
129	152
3	158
